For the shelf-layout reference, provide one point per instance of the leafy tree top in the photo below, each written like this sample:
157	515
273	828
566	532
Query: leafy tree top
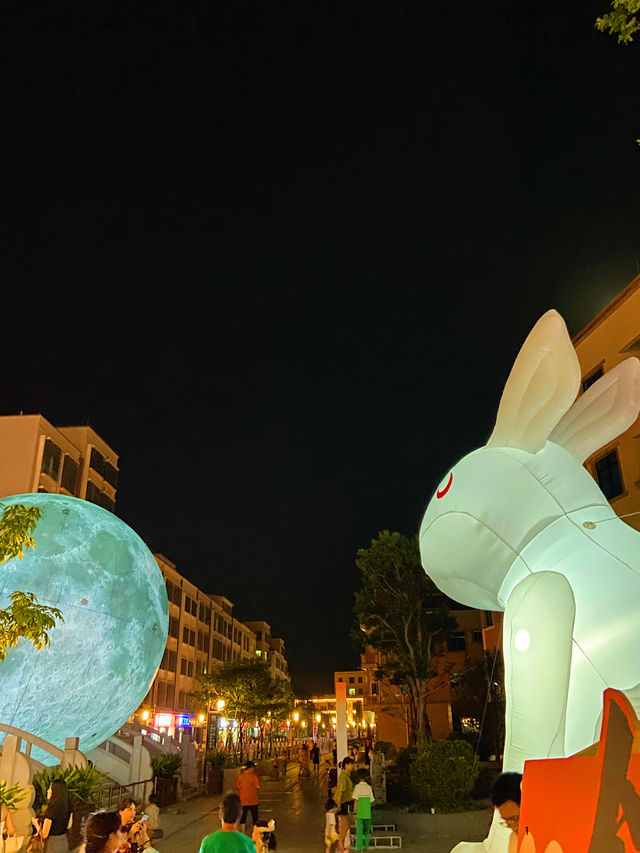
621	21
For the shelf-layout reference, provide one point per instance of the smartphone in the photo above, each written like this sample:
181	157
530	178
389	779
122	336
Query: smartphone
143	817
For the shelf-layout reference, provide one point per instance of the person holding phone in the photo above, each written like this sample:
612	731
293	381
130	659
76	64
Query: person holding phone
136	830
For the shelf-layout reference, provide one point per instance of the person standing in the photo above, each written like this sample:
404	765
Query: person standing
56	819
247	785
314	754
228	839
344	801
363	799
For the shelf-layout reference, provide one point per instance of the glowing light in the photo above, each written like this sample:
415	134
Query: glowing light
101	575
318	718
220	704
162	721
201	718
145	715
296	717
522	640
333	721
304	724
223	722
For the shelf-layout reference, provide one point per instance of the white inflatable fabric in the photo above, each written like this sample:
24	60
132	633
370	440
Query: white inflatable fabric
521	526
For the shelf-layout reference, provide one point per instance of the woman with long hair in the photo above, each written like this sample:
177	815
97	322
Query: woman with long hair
103	833
56	819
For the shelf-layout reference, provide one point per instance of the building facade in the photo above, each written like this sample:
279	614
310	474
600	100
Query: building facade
376	703
271	650
611	337
36	456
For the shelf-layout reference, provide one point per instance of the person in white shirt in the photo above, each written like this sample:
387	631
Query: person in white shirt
363	800
330	833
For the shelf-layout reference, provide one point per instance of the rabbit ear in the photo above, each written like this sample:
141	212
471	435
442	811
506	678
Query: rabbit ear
606	409
542	385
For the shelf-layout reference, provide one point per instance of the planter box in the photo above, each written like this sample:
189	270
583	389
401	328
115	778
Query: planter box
166	790
215	780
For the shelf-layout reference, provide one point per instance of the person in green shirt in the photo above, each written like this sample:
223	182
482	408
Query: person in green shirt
344	801
228	839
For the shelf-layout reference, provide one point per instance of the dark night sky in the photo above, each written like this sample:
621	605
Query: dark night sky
281	256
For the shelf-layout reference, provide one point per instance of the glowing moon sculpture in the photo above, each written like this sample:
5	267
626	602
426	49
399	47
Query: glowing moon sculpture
102	659
519	525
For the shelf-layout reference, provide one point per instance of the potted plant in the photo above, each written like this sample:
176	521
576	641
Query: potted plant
84	785
215	759
165	767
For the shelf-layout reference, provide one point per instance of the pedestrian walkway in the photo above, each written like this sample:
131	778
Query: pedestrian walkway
297	805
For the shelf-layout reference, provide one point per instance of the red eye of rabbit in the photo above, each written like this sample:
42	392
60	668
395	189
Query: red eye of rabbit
442	492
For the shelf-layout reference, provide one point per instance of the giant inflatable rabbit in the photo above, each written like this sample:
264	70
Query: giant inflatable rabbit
519	525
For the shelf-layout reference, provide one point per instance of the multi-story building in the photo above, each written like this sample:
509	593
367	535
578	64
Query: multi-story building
375	702
203	632
270	649
36	456
611	337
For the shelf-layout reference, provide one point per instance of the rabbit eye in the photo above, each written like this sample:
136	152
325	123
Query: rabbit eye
442	492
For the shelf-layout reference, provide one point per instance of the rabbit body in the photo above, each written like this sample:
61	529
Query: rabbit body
506	531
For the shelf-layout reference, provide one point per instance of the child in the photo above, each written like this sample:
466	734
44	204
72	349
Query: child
330	834
153	823
364	799
264	836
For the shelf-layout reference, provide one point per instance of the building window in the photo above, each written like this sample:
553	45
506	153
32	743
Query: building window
488	618
110	474
374	689
51	457
352	691
476	636
456	642
169	661
359	691
97	461
188	636
174	627
341	680
69	474
608	475
359	679
352	680
593	377
259	636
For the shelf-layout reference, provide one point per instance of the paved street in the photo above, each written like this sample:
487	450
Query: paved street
298	808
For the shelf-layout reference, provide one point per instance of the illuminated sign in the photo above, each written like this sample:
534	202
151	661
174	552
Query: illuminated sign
162	721
185	720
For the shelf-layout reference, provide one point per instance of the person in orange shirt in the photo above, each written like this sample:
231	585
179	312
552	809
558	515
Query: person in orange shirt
247	785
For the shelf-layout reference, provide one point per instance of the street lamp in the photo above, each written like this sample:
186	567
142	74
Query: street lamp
220	704
318	718
296	717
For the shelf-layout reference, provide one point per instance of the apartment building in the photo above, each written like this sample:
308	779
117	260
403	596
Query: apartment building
36	456
203	632
270	649
611	337
376	702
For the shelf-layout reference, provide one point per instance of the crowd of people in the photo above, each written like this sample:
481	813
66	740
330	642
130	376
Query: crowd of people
103	832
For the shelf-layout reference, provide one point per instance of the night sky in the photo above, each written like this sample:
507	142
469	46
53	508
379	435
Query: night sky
281	257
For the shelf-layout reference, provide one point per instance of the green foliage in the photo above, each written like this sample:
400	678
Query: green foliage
480	694
17	523
24	617
401	612
621	21
84	785
484	783
248	692
10	795
444	773
216	757
481	745
166	764
387	749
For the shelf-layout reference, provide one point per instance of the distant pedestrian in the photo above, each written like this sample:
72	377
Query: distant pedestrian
363	799
303	760
228	839
247	785
314	754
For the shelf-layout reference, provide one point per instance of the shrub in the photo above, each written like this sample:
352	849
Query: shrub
484	783
10	795
443	774
216	758
84	785
166	764
386	748
480	744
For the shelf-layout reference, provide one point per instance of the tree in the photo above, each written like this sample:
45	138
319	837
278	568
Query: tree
479	695
24	617
401	612
249	693
621	21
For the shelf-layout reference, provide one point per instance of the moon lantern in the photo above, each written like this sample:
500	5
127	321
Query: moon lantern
103	657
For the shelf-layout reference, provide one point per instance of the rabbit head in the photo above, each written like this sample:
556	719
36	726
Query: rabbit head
498	498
